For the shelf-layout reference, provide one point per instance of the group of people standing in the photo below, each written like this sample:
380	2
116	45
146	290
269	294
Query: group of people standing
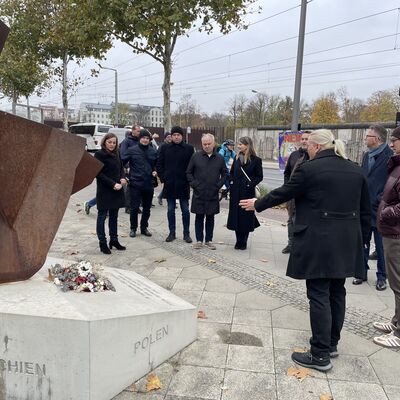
180	169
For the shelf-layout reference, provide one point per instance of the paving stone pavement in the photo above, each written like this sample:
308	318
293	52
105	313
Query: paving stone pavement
255	315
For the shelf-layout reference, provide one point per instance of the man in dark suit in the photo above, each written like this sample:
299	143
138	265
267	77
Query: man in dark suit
332	224
374	165
172	163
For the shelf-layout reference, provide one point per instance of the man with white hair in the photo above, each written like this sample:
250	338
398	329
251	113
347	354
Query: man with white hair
331	226
206	174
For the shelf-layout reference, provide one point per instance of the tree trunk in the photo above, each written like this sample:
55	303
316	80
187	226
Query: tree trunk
65	91
166	88
14	104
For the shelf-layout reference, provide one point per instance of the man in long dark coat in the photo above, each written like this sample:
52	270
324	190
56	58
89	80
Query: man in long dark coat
332	225
172	163
206	174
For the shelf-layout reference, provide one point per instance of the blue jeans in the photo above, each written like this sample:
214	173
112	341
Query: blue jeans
381	271
92	202
199	227
112	224
184	203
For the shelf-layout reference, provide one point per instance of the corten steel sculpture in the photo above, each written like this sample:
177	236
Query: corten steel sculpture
40	167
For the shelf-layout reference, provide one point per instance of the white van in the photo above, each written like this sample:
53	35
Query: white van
93	133
120	133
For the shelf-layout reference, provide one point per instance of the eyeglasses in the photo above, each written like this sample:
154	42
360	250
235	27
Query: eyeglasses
371	136
393	140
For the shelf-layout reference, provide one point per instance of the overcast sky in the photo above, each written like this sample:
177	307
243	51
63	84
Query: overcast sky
362	55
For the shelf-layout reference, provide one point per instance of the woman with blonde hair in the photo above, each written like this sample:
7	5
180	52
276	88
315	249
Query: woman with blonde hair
246	173
332	224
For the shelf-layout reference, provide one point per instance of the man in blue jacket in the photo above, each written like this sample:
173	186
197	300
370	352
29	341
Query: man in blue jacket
374	165
142	169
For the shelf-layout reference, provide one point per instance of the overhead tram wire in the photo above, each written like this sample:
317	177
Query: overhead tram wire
285	59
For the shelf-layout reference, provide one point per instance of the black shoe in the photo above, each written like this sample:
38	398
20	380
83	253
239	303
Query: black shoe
381	284
240	246
373	256
127	210
286	250
187	239
139	211
145	232
170	238
87	208
359	281
160	201
116	244
309	361
104	248
333	353
132	233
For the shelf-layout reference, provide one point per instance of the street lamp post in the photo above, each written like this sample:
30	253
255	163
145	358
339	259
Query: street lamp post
116	91
262	111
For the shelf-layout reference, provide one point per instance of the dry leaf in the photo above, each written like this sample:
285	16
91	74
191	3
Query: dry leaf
123	235
211	261
153	383
73	252
300	373
78	204
93	233
133	387
121	225
50	276
220	242
224	388
300	350
264	260
201	315
270	284
78	211
325	397
160	260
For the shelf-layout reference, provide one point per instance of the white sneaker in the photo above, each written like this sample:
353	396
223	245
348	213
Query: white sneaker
210	245
389	340
198	245
385	327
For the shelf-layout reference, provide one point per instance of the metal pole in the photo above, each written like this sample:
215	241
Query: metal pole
116	91
299	68
116	98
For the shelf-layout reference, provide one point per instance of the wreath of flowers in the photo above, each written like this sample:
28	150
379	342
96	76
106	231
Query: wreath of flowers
81	276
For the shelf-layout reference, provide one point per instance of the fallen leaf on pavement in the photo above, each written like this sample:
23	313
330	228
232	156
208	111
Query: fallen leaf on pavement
78	211
299	373
300	350
325	397
133	387
123	235
201	314
284	224
121	225
50	276
93	233
224	388
153	383
160	260
220	242
270	284
73	252
264	260
78	204
211	261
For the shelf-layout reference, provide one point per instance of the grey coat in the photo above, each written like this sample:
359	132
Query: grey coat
206	175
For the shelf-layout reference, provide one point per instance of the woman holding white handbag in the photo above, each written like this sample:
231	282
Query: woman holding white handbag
246	174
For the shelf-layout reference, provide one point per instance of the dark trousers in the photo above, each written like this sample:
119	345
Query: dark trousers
380	266
199	227
241	238
139	196
112	224
184	203
327	299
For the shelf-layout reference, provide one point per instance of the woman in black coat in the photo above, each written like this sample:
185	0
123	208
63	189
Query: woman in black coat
109	195
239	220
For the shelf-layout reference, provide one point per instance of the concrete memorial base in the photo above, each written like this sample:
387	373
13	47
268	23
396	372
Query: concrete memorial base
77	346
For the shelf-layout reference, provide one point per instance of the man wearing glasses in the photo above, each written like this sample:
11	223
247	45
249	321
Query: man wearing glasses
374	165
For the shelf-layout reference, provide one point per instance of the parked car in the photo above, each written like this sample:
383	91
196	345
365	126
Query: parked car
93	133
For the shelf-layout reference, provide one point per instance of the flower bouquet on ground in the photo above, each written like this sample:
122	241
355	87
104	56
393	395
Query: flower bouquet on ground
81	276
